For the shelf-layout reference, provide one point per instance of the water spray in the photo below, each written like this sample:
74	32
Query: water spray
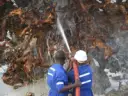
75	64
63	35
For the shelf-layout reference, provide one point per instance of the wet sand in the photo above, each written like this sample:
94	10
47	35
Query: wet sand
4	89
40	88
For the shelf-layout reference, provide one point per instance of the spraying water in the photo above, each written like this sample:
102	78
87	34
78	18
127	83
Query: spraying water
63	34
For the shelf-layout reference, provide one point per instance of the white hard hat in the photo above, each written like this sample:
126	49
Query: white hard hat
80	56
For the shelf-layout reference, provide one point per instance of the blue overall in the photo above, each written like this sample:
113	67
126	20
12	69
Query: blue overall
85	75
57	79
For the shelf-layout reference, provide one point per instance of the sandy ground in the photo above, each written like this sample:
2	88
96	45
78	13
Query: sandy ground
39	88
4	89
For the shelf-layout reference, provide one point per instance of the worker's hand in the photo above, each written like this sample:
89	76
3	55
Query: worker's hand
72	59
70	55
77	83
70	63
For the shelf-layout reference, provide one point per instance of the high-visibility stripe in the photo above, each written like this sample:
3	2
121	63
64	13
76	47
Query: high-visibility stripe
52	69
83	75
85	82
50	74
59	83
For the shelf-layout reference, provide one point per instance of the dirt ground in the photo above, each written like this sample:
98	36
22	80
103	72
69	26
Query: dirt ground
40	88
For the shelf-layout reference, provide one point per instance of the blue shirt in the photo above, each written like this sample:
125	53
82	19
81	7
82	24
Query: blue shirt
85	75
57	79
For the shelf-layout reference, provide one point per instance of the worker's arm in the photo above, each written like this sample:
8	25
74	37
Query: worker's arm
60	83
68	87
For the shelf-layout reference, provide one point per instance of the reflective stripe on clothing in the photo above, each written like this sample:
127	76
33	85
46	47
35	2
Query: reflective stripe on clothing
50	74
85	82
83	75
59	83
52	69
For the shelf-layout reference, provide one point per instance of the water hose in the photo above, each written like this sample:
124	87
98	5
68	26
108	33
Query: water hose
76	75
75	67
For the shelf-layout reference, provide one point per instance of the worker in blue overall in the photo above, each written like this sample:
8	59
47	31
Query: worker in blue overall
85	74
57	78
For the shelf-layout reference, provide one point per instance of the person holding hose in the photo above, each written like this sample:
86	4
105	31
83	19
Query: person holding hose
85	74
57	78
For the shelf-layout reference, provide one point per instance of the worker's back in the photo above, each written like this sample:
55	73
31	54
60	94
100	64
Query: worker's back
85	75
56	79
